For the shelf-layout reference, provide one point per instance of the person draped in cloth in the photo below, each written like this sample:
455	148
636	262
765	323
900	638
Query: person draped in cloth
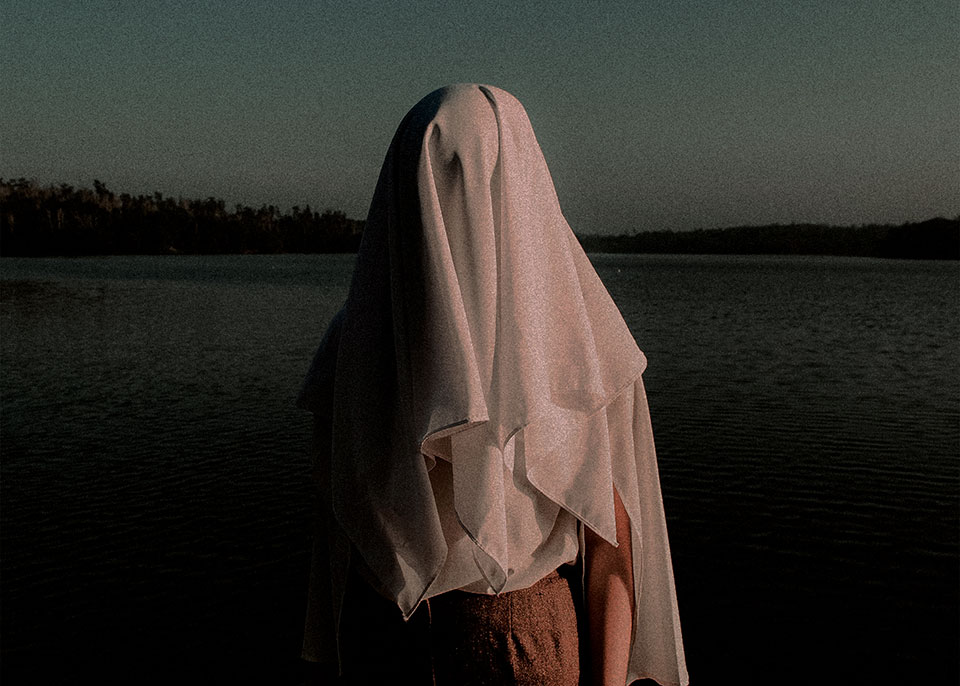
490	506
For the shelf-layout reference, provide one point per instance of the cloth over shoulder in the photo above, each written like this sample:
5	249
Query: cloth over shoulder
483	393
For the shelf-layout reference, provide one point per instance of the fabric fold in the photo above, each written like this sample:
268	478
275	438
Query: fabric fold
483	390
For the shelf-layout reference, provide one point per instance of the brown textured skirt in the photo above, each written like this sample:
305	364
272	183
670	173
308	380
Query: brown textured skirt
529	636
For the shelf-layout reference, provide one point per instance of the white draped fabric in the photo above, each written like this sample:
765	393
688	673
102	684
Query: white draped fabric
483	390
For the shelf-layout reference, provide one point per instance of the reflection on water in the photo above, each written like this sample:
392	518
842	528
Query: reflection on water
155	493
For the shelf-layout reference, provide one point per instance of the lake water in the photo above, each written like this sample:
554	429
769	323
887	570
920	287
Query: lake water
155	481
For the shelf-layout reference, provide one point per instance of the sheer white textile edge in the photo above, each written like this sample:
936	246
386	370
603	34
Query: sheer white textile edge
483	392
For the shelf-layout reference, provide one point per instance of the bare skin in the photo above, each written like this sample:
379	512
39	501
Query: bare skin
610	603
609	599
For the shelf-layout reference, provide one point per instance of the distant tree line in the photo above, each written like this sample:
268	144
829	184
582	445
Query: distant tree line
937	238
63	220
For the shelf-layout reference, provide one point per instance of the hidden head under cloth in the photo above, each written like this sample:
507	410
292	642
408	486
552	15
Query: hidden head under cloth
484	394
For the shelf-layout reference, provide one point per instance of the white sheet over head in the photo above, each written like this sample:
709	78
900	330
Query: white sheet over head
480	374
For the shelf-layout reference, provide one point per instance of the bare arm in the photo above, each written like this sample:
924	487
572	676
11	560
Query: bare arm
610	603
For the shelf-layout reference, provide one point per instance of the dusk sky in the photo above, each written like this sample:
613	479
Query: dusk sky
651	115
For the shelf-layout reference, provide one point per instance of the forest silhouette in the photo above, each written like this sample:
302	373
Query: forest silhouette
60	220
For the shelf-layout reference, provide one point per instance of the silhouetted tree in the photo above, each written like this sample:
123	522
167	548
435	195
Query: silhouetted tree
63	220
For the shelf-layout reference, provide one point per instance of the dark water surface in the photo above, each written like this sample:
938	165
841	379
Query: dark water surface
155	493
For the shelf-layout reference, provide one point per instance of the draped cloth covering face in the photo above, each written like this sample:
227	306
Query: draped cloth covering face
480	374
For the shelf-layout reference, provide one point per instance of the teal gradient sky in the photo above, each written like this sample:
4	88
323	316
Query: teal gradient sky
651	114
